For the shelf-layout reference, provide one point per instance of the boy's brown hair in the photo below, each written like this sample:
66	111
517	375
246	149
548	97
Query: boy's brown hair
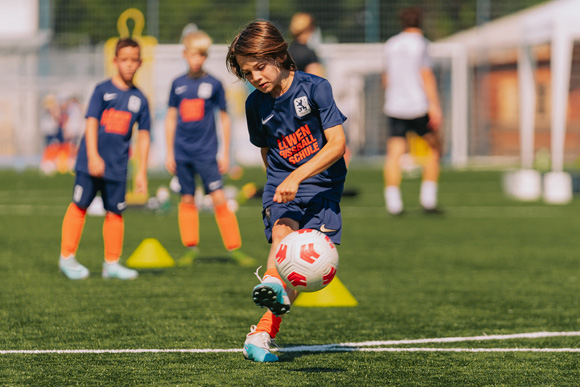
126	42
411	17
261	40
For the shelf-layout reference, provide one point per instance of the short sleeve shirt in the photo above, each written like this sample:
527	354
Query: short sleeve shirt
292	127
405	55
197	101
117	112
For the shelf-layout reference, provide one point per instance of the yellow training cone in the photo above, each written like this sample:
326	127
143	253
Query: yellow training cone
335	294
150	254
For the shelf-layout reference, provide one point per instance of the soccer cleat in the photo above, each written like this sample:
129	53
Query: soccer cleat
272	296
242	258
189	257
116	270
72	269
257	347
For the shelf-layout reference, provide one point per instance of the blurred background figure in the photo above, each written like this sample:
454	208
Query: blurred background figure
302	28
73	122
411	105
50	120
51	129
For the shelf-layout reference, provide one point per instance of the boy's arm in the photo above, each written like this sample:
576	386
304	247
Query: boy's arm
170	127
95	162
264	152
143	143
224	161
331	152
430	84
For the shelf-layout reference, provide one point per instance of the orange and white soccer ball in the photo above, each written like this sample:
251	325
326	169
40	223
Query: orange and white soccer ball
307	260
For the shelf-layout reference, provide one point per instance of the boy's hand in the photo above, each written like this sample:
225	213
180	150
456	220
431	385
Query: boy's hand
223	165
141	182
287	190
96	166
170	165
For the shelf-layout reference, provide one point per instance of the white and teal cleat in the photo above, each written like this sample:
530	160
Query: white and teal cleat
72	269
257	347
116	270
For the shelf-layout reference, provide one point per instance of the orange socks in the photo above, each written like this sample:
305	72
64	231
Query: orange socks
269	323
228	226
72	229
188	218
113	230
273	273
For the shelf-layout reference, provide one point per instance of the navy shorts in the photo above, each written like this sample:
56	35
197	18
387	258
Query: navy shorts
399	127
112	192
318	213
207	171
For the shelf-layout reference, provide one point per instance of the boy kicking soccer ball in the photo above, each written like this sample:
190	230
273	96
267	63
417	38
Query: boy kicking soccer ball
293	118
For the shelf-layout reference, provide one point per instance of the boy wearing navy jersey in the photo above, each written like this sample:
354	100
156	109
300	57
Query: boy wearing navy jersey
192	149
293	119
115	106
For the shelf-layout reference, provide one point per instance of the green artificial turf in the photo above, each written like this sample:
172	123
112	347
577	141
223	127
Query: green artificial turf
487	266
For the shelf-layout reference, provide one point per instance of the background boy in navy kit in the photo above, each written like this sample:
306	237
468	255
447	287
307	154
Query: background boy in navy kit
115	106
192	149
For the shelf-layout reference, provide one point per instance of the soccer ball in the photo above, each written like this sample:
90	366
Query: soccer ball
307	260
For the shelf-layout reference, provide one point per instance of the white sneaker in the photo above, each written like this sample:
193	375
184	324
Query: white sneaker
116	270
72	269
257	347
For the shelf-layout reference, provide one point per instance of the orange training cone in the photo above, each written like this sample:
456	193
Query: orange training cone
335	294
150	254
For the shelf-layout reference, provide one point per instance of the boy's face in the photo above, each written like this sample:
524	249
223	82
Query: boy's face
128	60
194	59
261	73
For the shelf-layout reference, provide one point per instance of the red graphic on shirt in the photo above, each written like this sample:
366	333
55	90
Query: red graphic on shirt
116	121
296	279
192	109
299	145
328	277
308	253
281	253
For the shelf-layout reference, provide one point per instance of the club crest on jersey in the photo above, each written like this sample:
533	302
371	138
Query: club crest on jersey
302	107
204	90
134	104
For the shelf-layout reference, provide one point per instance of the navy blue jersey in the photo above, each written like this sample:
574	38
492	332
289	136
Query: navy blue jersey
292	127
197	101
117	111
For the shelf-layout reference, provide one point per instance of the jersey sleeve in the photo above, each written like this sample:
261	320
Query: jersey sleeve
95	108
257	137
173	100
425	58
144	118
330	115
221	96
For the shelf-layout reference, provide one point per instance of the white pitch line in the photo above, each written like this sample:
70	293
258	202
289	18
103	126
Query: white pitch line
347	347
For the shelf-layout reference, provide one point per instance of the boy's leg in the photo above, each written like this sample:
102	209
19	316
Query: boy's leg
72	229
85	190
273	294
114	231
227	221
187	213
396	147
428	195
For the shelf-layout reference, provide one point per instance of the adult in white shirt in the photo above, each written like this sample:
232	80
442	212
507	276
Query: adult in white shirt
411	104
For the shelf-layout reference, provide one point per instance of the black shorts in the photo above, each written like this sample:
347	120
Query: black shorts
399	127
